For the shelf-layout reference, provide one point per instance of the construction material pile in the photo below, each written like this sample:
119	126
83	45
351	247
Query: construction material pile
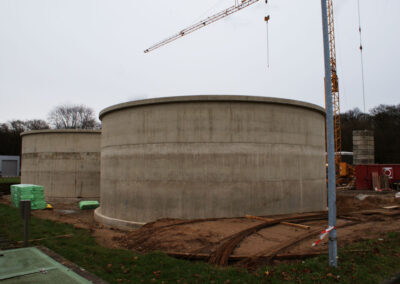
31	192
88	204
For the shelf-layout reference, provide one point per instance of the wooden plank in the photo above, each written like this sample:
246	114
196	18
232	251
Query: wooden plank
376	183
268	255
391	207
283	223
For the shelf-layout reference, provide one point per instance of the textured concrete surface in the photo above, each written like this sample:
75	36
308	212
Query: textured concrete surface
363	147
65	162
211	156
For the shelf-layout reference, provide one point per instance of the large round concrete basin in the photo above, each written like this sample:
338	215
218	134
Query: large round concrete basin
210	156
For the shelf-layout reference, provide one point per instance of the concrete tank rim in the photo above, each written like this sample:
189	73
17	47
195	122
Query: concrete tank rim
62	131
211	98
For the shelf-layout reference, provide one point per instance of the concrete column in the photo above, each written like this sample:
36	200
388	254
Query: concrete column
363	147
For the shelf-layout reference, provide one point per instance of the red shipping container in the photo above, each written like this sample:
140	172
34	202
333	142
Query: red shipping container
364	174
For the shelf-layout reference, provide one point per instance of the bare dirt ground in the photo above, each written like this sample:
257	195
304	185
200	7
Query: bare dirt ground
83	219
223	239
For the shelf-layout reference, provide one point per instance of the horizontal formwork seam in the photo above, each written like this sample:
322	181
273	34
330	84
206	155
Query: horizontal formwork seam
162	143
214	181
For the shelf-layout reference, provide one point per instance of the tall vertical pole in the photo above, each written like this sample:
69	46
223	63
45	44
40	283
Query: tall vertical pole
330	142
25	207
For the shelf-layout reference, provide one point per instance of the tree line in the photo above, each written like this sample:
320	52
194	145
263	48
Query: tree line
384	121
61	117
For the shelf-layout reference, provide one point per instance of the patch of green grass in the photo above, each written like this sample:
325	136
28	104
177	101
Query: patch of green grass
10	180
378	260
116	265
367	261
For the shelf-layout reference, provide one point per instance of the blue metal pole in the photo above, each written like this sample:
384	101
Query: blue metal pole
330	140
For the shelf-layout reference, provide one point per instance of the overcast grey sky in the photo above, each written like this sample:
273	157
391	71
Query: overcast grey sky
91	52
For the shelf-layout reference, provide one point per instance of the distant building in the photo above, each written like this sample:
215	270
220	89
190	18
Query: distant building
9	166
347	157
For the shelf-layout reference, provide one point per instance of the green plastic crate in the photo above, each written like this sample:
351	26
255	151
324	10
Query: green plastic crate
89	204
32	192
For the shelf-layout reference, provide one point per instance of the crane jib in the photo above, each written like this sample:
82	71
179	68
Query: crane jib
203	23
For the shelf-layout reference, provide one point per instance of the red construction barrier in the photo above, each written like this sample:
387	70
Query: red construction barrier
364	174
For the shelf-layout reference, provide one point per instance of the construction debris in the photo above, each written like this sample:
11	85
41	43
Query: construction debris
283	223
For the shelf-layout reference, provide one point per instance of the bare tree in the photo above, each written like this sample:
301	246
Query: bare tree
36	124
17	126
73	117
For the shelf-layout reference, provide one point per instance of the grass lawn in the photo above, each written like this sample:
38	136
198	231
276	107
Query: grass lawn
10	180
380	260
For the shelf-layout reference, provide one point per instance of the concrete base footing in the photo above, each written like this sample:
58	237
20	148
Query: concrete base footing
115	223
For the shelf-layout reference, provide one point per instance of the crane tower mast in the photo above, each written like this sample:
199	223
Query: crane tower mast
335	85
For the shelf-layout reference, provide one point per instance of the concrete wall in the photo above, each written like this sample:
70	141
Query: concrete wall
65	162
363	147
210	156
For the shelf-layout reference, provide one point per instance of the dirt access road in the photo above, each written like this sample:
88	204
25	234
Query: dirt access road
222	240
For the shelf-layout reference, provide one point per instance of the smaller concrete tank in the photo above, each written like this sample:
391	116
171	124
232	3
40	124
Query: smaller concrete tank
65	162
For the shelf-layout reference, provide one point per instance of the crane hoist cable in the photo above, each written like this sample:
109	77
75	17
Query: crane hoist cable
361	53
266	19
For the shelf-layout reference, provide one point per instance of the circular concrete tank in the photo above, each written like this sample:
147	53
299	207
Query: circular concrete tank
65	162
210	156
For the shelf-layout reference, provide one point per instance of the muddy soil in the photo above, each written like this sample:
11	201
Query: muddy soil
202	236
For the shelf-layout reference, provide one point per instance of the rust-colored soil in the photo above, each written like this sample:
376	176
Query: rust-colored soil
357	219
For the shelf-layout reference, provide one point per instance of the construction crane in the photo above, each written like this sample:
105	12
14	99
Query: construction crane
335	86
237	7
334	78
344	172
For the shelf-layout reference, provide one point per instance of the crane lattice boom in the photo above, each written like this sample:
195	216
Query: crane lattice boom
203	23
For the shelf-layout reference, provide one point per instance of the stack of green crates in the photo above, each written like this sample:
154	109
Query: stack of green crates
31	192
